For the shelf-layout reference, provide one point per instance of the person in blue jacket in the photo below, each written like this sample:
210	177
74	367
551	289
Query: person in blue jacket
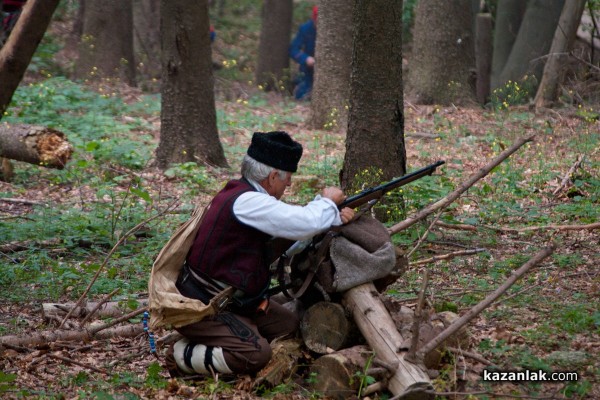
302	50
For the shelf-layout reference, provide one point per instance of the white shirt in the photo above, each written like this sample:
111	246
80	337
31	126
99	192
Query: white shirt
276	218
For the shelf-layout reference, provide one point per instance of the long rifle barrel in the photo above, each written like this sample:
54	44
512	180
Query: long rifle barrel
378	191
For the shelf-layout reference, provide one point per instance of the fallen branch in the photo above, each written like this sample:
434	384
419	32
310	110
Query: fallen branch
45	337
587	227
20	201
103	301
568	175
440	204
447	256
473	312
68	360
12	247
473	356
461	227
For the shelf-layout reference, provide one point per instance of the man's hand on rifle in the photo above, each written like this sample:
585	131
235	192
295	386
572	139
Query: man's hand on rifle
337	196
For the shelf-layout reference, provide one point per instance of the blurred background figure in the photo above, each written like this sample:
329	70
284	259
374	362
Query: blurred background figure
302	50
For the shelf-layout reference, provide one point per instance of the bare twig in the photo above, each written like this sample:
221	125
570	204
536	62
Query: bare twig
442	203
592	226
473	356
448	256
462	227
68	360
116	321
109	255
21	201
414	342
422	238
100	304
473	312
567	176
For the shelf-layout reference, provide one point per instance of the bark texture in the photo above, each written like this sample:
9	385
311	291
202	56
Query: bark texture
375	138
188	116
331	87
483	55
532	43
146	37
35	145
16	53
509	15
564	37
442	57
273	65
106	46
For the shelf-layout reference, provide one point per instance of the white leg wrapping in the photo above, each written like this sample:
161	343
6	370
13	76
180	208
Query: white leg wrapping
198	358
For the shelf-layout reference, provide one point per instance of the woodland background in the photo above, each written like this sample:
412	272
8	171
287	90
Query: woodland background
93	227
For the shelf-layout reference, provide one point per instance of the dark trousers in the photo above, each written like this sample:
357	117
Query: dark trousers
244	338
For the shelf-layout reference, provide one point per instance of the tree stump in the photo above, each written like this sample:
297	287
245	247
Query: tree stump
325	327
35	145
335	373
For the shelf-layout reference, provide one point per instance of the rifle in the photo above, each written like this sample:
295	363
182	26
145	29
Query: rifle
281	247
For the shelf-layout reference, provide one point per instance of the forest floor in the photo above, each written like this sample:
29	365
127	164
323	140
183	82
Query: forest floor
549	320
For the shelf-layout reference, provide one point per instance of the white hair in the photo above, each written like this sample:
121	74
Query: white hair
257	171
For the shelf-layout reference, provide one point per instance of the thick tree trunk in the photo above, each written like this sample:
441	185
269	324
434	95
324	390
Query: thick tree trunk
16	53
106	47
331	88
379	330
188	117
563	40
439	71
533	42
35	144
375	139
273	59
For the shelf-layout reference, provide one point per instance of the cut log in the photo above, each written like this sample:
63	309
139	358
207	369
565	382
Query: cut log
111	309
35	144
335	373
283	363
325	327
410	381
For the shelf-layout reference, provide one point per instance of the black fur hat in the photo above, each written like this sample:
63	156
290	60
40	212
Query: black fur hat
276	149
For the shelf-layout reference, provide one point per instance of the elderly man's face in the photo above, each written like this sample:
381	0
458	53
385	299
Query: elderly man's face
276	186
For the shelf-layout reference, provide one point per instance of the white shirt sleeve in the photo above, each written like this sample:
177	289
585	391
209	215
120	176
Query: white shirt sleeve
279	219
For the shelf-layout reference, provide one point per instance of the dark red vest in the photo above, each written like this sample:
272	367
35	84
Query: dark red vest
227	250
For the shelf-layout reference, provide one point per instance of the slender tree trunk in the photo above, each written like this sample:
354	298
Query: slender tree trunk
188	114
273	60
375	139
331	88
562	42
483	55
509	14
533	42
16	53
106	47
146	37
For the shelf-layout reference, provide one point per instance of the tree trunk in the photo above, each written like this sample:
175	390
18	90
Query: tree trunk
375	139
146	38
379	330
188	116
325	327
483	55
35	145
562	42
442	57
532	43
273	60
16	53
509	14
330	95
106	46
